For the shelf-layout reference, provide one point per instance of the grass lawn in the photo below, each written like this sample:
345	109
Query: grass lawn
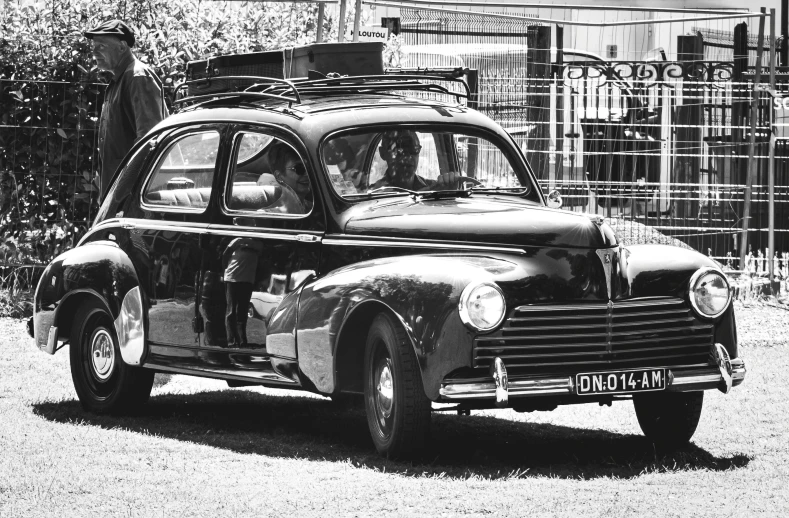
202	449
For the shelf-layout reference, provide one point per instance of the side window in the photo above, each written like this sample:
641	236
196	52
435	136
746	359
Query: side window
184	173
268	176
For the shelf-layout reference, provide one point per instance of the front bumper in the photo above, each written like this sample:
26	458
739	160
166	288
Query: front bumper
725	373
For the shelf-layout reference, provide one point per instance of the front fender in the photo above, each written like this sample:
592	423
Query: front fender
99	272
658	270
421	291
661	270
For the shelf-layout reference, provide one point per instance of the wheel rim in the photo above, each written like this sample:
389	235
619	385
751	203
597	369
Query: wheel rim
102	355
383	392
384	389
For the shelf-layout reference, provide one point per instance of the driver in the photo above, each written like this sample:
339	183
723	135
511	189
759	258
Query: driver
400	149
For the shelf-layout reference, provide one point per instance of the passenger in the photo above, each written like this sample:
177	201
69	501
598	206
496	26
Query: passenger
290	173
400	149
340	153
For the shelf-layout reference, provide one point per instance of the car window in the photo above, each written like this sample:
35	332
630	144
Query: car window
418	160
268	177
184	174
121	189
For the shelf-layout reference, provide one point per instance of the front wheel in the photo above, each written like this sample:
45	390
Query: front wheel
102	381
669	419
398	411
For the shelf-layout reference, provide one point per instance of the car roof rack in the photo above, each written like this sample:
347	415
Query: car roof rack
284	84
291	91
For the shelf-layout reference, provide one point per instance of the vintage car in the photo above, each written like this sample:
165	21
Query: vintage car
359	237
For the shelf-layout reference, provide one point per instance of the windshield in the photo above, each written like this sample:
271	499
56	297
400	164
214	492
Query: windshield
420	159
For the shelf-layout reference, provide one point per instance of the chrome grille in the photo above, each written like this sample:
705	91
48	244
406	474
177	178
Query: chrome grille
614	335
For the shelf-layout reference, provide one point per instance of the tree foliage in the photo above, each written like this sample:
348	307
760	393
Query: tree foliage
51	94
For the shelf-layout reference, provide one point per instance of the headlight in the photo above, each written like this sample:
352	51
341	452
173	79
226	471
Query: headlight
709	292
482	306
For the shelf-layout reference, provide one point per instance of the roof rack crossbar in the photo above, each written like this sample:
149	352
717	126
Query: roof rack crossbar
335	81
264	80
217	95
380	88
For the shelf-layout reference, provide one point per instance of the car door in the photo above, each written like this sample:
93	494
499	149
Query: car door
165	235
264	244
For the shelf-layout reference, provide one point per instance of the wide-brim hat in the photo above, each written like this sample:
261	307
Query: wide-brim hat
115	28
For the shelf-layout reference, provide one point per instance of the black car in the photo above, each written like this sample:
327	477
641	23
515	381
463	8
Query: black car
352	237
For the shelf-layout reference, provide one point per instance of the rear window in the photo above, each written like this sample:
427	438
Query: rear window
185	172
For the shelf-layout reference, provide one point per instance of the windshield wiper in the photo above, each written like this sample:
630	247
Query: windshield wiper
517	191
451	193
383	190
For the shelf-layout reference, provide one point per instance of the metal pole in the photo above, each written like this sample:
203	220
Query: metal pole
784	32
321	15
752	143
356	19
771	164
341	29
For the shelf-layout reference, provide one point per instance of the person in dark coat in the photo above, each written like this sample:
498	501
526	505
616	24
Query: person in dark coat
134	100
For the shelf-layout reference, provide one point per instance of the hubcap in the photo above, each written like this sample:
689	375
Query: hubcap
384	390
102	354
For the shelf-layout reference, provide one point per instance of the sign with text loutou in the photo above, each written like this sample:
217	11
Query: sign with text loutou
373	34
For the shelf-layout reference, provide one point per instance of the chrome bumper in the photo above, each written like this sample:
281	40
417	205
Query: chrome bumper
725	374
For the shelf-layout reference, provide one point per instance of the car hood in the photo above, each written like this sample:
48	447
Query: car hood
488	220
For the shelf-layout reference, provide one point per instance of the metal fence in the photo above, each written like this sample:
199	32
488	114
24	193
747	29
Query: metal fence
662	145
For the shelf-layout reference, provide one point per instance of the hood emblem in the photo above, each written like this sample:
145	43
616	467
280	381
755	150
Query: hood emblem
597	220
605	258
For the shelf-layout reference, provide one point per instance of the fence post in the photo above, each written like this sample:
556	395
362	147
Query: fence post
690	49
752	140
771	164
558	77
321	16
538	69
341	27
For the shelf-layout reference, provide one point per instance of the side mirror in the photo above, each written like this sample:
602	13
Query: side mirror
554	199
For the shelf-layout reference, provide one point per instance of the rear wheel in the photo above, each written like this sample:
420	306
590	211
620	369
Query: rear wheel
104	383
669	419
398	411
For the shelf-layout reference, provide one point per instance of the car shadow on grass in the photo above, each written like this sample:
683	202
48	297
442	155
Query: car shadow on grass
462	447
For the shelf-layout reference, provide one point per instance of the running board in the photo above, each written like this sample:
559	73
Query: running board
247	365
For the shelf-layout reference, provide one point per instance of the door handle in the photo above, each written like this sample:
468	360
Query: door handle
307	238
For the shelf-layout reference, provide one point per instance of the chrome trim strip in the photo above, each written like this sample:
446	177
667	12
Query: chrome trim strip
225	374
333	240
203	228
130	329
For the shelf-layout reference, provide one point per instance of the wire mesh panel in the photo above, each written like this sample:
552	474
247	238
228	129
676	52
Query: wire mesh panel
48	157
659	143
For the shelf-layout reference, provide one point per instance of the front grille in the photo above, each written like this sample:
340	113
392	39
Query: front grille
596	336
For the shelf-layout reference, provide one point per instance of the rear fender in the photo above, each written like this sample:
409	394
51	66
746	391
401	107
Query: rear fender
101	273
421	292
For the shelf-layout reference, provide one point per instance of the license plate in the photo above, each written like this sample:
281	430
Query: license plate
620	382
